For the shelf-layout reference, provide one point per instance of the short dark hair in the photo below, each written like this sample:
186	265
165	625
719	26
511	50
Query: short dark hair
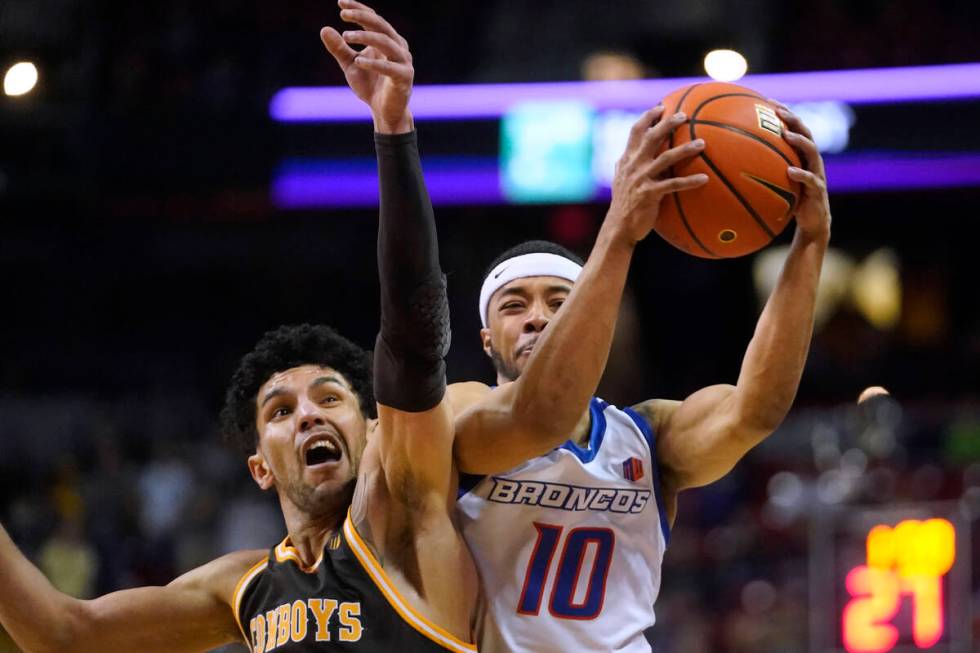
534	247
285	348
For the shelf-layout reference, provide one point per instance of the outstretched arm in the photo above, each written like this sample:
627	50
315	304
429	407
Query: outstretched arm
499	429
192	613
415	433
700	439
409	370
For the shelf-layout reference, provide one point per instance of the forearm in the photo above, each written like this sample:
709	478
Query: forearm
408	249
774	360
37	616
193	613
567	364
414	336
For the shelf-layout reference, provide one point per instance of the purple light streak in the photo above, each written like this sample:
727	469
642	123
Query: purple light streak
490	101
883	171
453	182
354	183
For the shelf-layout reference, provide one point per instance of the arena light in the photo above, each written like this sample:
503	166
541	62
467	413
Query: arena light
725	65
902	171
545	153
908	560
20	79
871	392
459	181
352	183
876	290
891	579
491	101
835	279
829	121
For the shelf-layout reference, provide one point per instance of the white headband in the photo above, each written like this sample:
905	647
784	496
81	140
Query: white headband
537	264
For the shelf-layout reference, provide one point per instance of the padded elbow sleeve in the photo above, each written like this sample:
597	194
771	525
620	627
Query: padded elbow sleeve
409	365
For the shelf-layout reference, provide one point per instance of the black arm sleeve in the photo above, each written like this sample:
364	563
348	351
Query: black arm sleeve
409	366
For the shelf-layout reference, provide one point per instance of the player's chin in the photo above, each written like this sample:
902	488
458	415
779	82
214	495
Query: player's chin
520	362
328	493
326	472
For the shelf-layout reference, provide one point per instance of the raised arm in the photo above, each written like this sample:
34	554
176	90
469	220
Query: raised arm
193	613
415	433
499	429
409	370
700	439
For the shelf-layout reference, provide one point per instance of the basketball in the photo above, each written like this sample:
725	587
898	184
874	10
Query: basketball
749	199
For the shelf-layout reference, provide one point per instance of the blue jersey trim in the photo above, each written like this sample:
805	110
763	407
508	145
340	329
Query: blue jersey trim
598	429
647	431
597	419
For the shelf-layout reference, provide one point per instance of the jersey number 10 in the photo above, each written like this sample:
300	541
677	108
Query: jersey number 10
574	551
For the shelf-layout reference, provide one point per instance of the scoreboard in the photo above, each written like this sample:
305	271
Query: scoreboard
891	580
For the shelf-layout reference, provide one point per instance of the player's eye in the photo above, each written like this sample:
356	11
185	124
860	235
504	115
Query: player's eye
330	399
282	411
510	306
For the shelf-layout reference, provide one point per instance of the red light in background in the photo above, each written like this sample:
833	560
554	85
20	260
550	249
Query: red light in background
909	559
865	623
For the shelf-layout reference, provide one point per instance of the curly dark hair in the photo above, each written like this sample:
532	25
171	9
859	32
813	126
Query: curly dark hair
534	247
282	349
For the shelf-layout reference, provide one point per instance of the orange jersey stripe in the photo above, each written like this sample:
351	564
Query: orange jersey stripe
416	620
240	588
286	552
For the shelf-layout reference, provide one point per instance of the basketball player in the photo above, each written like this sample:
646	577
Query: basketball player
372	561
568	520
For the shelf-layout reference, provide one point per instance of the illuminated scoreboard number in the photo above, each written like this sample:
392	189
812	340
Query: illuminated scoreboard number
891	581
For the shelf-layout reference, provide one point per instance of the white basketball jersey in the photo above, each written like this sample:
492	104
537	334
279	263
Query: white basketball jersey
569	545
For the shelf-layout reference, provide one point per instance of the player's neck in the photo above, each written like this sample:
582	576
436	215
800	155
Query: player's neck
309	542
309	533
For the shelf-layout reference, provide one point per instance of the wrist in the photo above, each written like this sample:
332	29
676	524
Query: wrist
401	125
813	236
615	237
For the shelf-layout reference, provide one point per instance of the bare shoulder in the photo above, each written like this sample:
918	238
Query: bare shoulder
220	577
657	412
463	395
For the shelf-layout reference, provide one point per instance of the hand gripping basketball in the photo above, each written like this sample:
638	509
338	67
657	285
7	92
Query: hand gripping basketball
813	210
750	197
641	180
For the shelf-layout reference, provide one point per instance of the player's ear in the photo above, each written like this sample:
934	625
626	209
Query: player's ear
486	341
260	471
372	424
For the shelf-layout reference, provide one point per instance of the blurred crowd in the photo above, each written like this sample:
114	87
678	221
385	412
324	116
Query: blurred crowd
105	496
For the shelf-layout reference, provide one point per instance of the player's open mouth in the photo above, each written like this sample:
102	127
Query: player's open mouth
322	449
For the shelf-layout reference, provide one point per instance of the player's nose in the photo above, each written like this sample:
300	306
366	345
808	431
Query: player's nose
310	415
536	320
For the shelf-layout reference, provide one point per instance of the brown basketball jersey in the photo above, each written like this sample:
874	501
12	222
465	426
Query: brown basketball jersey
344	603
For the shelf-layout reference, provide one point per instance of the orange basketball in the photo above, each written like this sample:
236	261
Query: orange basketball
749	198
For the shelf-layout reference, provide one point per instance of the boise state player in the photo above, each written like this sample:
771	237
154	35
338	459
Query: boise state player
568	516
372	561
